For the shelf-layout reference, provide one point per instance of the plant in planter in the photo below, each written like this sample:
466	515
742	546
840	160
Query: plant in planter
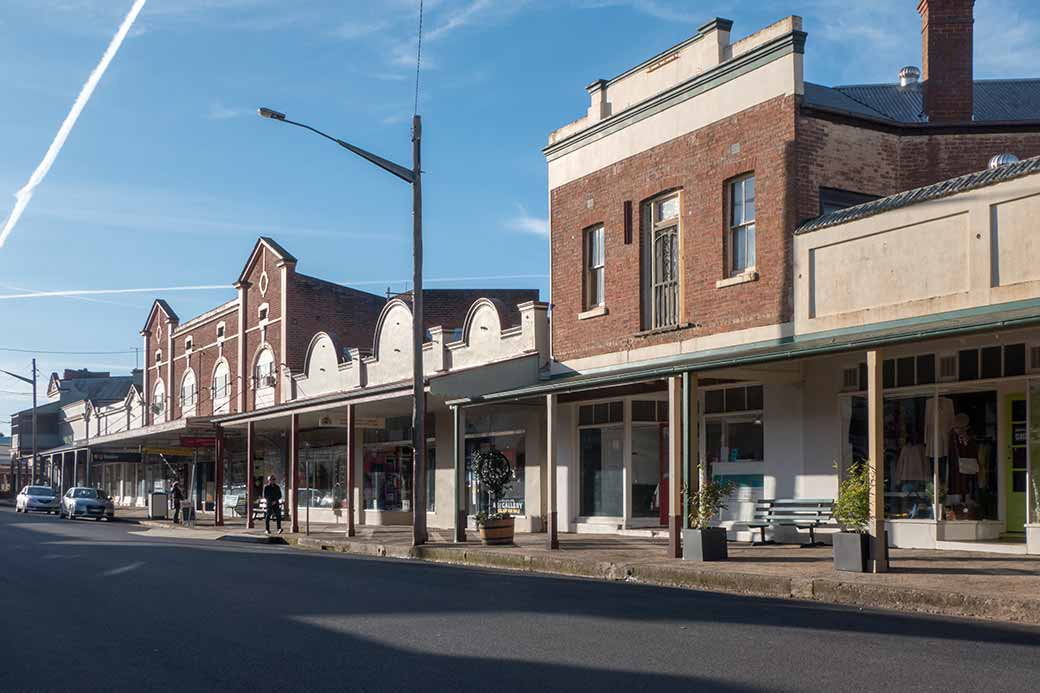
702	541
852	512
494	471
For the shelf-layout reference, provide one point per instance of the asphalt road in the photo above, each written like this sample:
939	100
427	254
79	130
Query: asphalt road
95	606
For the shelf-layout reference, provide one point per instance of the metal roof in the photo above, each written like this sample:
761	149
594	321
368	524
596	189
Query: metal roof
995	100
970	181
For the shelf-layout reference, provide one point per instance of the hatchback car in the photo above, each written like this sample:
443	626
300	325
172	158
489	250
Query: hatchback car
82	501
41	499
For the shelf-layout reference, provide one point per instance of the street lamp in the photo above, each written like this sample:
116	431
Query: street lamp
413	177
30	381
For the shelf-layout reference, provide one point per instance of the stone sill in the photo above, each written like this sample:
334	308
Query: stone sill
665	330
742	278
596	312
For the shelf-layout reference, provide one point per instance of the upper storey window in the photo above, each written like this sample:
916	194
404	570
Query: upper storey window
661	262
595	265
742	225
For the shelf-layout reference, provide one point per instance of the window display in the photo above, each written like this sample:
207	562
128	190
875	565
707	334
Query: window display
512	501
388	477
733	430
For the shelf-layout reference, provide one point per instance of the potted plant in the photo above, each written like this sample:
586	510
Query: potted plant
852	512
493	471
701	541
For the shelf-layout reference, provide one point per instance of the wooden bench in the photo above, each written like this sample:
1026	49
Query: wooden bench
802	513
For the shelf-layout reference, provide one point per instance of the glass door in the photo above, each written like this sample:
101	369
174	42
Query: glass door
1016	463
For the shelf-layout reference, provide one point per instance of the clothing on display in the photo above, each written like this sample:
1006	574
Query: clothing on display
911	465
945	424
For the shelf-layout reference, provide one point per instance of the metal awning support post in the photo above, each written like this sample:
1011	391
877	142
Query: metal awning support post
876	426
694	476
459	468
250	472
218	478
351	468
294	471
552	524
675	459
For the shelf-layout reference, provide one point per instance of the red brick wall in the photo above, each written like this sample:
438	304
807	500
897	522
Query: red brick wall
205	354
347	315
271	334
699	164
946	50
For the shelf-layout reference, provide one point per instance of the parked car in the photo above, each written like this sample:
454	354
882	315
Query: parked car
82	501
42	499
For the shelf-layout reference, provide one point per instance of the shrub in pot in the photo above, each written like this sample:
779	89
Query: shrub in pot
702	541
493	471
852	512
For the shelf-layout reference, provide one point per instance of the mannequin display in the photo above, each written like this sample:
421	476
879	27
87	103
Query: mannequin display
945	424
963	465
911	465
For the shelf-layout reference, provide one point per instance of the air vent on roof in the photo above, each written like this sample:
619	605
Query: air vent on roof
909	75
1003	160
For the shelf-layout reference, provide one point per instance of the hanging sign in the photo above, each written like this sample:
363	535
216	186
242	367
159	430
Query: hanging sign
115	456
198	441
169	452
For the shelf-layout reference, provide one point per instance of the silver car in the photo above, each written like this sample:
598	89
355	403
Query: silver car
82	501
41	499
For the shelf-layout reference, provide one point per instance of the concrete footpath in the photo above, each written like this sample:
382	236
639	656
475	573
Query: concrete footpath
965	584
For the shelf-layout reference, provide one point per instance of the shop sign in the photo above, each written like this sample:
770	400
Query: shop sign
340	421
370	422
198	442
169	452
115	457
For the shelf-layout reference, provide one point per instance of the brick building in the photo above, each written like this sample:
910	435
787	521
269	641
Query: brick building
718	225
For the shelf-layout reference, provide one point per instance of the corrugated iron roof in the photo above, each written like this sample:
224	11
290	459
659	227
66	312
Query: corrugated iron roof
971	181
995	100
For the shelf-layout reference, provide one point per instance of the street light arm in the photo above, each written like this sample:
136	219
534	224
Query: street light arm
400	171
19	377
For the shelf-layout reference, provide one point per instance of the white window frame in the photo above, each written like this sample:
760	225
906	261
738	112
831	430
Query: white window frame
727	418
741	226
595	266
221	331
189	342
263	312
189	399
662	294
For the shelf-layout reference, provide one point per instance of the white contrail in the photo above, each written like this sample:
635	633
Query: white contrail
211	287
23	196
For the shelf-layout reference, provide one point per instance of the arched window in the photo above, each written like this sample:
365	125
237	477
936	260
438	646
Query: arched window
264	378
221	388
159	401
189	393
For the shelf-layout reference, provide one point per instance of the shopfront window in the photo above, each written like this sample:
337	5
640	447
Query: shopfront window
388	477
602	442
325	477
733	430
649	433
1033	485
968	473
512	445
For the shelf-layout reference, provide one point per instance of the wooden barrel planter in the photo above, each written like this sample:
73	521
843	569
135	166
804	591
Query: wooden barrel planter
497	532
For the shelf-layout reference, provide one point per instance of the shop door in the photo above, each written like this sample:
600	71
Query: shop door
1016	463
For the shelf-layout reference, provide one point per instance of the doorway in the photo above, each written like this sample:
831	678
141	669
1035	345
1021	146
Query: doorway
1017	456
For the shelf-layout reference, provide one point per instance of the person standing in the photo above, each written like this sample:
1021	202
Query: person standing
178	497
273	501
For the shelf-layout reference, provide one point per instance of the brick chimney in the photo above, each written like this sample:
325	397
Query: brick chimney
946	60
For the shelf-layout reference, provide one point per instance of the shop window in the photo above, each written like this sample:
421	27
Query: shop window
968	364
650	410
742	225
595	264
512	445
991	362
602	470
661	262
926	369
733	429
1014	360
888	373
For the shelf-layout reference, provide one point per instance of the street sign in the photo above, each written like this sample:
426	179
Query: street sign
198	441
169	452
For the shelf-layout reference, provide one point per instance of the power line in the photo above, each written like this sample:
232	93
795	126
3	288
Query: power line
67	353
418	60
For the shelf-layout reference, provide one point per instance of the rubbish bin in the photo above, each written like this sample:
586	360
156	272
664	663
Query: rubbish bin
158	505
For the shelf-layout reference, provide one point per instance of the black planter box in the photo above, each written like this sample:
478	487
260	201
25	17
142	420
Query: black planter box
853	552
705	544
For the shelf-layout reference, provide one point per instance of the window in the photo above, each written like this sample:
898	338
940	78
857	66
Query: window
733	425
264	378
220	330
742	225
594	267
158	357
661	262
601	456
221	388
189	392
262	311
187	344
159	400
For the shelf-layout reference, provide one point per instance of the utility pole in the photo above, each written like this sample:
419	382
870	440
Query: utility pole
418	337
29	381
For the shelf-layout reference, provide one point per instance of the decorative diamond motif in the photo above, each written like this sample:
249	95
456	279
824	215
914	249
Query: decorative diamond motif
263	284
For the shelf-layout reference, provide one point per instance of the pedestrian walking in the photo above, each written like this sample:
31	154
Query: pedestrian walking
178	497
273	499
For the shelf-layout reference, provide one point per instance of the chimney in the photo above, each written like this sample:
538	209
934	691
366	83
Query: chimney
946	46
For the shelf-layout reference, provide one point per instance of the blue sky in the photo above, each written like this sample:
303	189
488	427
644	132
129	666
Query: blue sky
169	176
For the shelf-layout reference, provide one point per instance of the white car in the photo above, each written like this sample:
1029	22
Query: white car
83	501
41	499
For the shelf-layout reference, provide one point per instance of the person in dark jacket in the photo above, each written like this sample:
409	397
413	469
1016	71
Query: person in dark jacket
273	499
178	497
